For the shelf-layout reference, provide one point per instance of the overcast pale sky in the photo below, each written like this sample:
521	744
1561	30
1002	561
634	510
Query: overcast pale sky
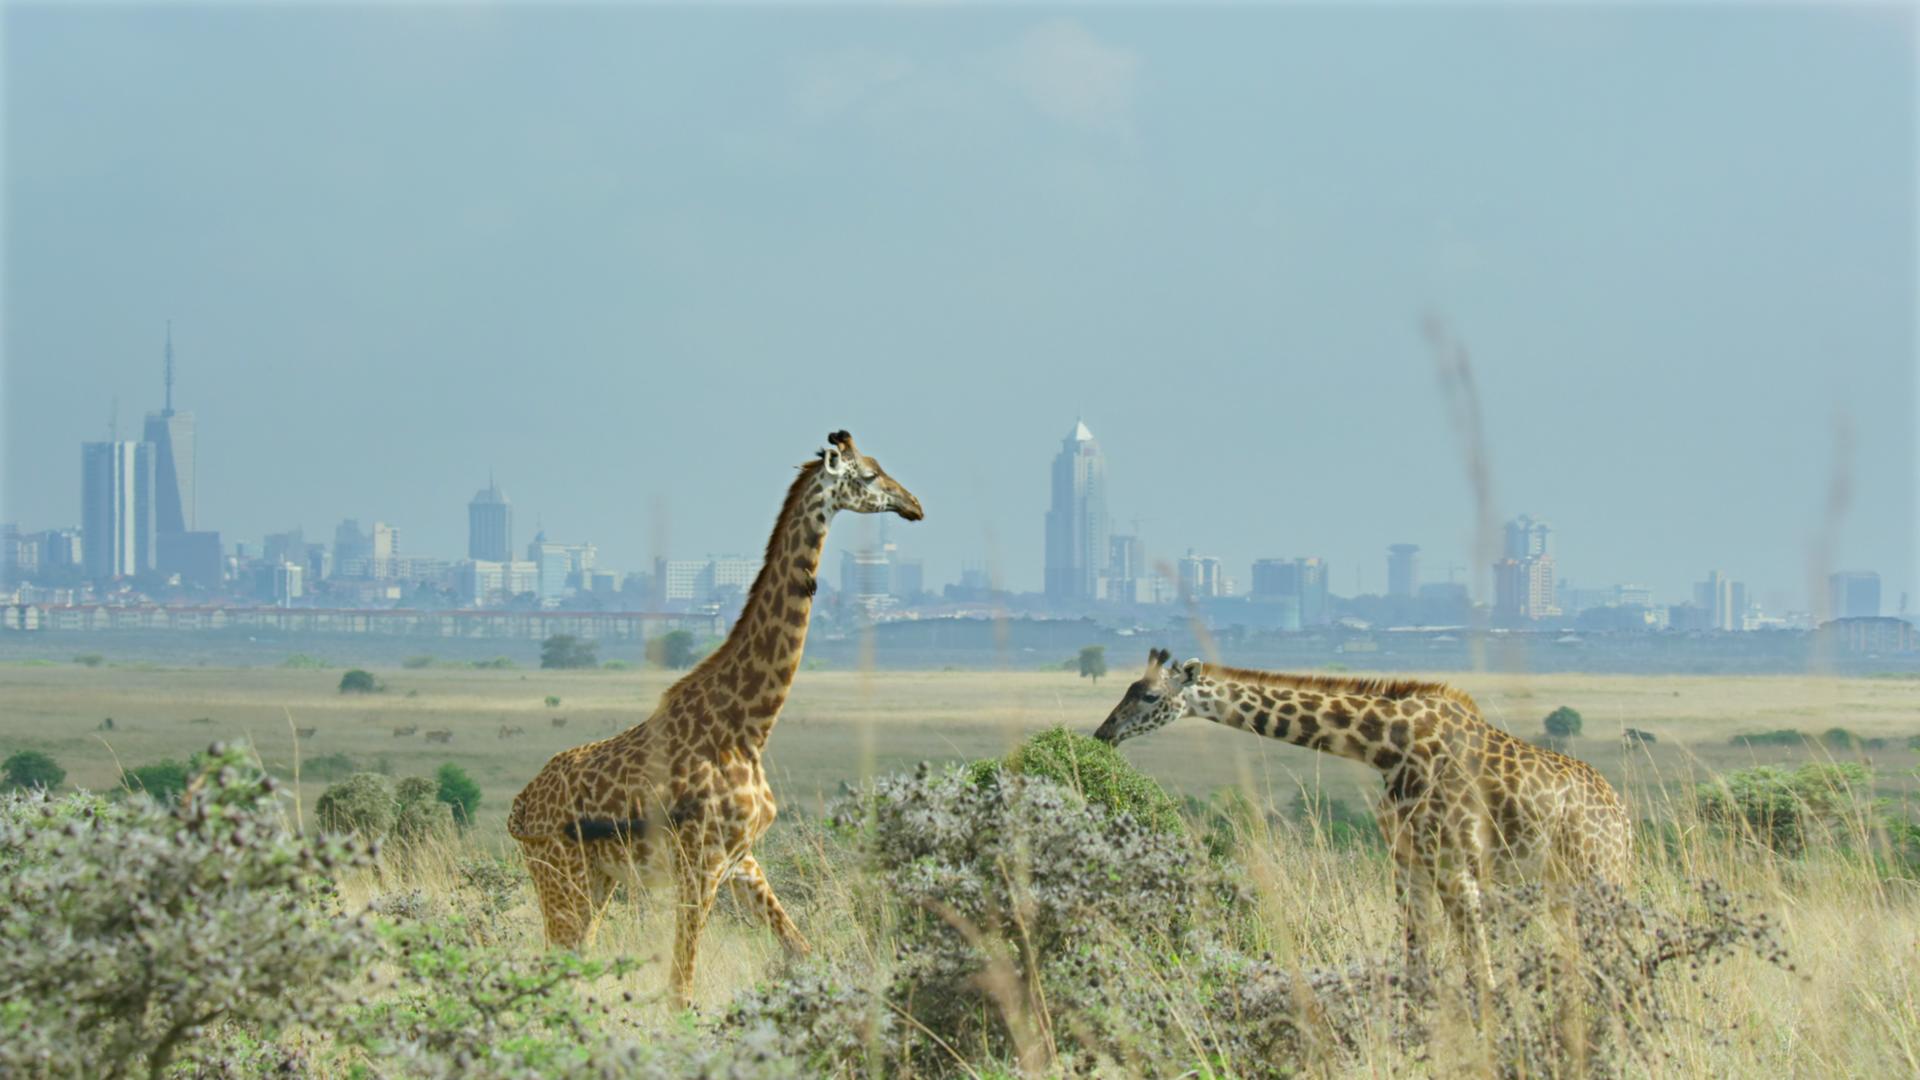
639	262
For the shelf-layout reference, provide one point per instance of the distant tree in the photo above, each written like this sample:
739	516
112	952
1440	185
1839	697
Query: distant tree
1563	723
568	651
1093	662
32	769
163	779
92	659
458	790
673	649
553	701
357	681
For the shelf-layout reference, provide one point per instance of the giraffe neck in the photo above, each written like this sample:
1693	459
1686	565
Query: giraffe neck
1369	727
762	652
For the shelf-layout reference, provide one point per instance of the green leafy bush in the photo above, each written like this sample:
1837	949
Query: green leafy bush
32	769
553	701
133	926
420	816
303	662
1092	769
362	803
1787	809
1776	737
163	779
1563	723
415	663
673	649
458	791
92	659
358	681
329	766
498	663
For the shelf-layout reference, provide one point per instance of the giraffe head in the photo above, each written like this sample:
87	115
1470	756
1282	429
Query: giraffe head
1154	700
856	482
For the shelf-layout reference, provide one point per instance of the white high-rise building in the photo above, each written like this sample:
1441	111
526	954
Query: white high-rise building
117	508
1077	523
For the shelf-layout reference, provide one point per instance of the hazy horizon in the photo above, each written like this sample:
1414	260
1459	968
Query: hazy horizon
637	263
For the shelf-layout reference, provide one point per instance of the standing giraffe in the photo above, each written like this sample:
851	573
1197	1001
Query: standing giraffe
1466	804
685	786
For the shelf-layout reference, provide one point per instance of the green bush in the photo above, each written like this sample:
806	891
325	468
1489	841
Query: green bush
362	803
1563	723
458	791
1094	770
329	766
358	681
1776	737
163	779
303	662
617	665
498	663
32	769
415	663
1787	809
421	815
553	701
92	659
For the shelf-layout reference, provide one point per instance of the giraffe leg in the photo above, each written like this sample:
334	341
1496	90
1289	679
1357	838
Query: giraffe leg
569	902
701	872
752	881
1460	895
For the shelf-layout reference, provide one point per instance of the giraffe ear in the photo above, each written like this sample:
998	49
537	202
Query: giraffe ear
1191	670
833	461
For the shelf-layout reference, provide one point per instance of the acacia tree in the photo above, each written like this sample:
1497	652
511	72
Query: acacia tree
672	650
568	651
1093	662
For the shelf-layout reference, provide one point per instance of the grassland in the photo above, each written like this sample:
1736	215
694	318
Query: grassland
1850	1007
846	726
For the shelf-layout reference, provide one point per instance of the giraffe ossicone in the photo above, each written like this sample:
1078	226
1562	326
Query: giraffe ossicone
1466	804
685	788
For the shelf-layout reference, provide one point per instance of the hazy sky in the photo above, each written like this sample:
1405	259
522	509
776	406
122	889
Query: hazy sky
639	262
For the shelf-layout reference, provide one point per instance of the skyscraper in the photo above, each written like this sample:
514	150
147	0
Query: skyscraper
171	434
1853	594
1523	579
116	508
1529	539
490	525
1077	526
1403	570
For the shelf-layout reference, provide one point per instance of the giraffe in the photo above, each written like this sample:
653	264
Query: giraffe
684	790
1466	804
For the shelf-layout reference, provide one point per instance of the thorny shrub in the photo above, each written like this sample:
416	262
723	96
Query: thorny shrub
1032	929
1000	879
127	928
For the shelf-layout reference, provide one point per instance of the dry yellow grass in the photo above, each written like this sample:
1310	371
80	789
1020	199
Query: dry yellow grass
1852	1007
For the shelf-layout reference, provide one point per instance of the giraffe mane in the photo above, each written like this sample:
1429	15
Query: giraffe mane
795	494
1394	689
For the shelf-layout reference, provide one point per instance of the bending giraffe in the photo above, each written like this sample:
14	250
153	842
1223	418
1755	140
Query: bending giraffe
685	786
1466	804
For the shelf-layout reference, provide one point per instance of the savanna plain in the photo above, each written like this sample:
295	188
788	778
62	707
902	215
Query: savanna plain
1794	795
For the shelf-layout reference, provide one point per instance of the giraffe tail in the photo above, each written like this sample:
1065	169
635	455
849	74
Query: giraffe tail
588	828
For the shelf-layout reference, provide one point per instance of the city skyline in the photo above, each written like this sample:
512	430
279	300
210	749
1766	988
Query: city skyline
644	304
123	484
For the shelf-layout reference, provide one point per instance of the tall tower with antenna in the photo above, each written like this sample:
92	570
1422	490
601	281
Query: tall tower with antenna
172	435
